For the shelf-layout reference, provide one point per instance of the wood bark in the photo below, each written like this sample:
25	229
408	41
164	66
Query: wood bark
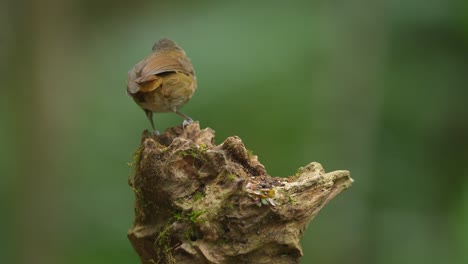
198	202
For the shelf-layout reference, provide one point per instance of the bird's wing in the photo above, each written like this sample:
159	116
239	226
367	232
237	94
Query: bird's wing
143	77
132	86
160	63
179	82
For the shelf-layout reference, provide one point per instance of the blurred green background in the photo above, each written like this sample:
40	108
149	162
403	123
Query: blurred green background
376	87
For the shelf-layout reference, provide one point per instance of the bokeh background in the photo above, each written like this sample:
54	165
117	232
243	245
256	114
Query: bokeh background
376	87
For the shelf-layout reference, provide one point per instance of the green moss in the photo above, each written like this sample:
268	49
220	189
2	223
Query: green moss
179	216
189	233
250	153
140	199
231	177
188	152
291	200
198	196
197	152
203	147
164	149
136	158
193	216
162	245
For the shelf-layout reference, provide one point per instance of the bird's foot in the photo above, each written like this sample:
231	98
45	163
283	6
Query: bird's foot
156	133
187	122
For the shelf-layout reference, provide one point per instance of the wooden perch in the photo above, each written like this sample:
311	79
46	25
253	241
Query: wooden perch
197	202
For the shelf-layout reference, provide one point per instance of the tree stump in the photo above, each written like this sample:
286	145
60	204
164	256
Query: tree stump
197	202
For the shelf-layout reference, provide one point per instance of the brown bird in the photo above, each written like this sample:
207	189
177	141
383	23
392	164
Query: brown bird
163	82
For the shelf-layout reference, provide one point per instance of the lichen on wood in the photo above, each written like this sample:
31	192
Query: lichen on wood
198	202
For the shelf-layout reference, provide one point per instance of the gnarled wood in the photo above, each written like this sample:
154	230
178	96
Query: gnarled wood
197	202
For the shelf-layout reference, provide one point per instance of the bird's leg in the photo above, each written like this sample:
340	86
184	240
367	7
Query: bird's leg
187	119
149	114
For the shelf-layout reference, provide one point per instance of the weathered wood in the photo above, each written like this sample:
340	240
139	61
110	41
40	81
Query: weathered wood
197	202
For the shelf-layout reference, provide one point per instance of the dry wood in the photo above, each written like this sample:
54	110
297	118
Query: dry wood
197	202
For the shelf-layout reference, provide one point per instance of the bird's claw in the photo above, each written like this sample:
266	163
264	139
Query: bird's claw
156	133
187	122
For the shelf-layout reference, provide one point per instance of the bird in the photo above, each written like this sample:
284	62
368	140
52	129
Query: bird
163	81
